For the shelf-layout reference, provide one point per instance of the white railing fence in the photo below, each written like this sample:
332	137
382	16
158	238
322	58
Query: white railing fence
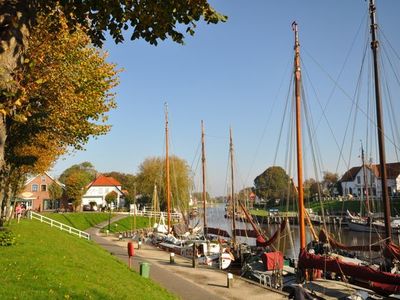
56	224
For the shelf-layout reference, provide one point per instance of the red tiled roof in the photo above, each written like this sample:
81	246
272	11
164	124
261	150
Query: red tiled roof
105	181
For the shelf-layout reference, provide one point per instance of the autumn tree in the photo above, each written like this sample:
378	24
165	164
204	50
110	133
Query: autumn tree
86	169
311	188
63	66
330	182
273	183
76	178
21	101
149	20
152	171
128	182
244	194
111	197
75	185
55	192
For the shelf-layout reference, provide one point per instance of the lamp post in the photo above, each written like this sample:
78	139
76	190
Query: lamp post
109	216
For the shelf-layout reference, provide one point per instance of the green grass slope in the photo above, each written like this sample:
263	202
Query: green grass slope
127	224
49	264
81	221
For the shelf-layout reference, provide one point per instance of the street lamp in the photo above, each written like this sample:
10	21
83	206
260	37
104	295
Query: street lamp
109	216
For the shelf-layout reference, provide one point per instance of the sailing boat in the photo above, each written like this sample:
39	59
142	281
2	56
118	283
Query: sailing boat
206	252
379	280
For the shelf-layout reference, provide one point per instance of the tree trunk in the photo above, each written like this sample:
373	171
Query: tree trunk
15	21
3	137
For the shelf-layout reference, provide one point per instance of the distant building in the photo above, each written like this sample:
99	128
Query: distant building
99	188
35	194
353	183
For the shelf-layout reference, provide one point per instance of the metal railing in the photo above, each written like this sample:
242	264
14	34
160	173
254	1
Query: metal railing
56	224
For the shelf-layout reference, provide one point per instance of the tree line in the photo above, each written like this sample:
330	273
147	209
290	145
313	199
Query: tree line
139	187
275	184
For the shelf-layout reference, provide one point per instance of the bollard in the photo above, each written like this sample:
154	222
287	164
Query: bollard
107	232
144	270
229	280
194	256
172	258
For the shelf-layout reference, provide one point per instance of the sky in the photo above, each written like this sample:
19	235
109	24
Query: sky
238	74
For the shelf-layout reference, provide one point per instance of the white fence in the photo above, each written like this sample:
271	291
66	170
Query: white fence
150	213
56	224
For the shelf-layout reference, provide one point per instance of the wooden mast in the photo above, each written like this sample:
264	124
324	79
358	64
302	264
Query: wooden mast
381	133
168	189
232	190
155	203
365	180
203	167
297	75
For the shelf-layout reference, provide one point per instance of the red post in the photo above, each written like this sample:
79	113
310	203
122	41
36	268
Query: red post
131	252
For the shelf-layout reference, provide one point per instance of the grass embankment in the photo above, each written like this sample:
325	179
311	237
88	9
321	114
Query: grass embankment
49	264
81	221
128	224
332	206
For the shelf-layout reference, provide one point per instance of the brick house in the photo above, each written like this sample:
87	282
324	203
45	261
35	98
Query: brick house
35	194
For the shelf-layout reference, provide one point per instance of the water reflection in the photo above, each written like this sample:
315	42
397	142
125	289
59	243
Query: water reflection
288	243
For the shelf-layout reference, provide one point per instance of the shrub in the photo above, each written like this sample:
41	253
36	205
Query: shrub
7	238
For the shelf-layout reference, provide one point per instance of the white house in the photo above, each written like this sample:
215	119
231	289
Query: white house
354	182
99	188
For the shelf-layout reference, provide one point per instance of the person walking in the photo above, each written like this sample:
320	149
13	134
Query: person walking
18	212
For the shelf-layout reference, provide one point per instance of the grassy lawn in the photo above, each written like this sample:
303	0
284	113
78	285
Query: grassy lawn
80	220
49	264
127	224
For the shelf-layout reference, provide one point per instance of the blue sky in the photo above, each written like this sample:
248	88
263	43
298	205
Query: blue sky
238	74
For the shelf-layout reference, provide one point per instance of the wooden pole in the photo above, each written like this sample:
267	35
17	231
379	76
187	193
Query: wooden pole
379	118
297	74
168	189
203	165
232	191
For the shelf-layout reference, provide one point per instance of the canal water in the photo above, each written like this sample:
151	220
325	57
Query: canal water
288	243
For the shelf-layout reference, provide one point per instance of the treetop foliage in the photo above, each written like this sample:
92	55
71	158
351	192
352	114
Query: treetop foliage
152	172
151	20
273	183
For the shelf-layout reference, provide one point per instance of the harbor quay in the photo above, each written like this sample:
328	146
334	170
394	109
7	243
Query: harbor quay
180	277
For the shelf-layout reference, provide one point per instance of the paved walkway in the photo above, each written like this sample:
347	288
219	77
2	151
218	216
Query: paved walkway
180	278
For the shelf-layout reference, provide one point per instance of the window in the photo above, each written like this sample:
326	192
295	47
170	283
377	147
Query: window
35	187
43	187
51	204
358	179
43	178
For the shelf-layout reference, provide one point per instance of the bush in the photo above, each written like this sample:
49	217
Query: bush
7	238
